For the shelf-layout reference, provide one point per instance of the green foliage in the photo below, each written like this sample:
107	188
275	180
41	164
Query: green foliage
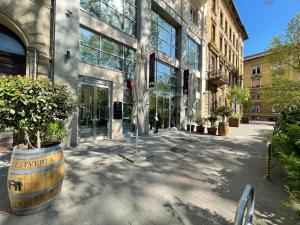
33	104
291	162
213	119
238	94
235	116
288	116
283	92
223	111
286	145
285	49
56	131
200	121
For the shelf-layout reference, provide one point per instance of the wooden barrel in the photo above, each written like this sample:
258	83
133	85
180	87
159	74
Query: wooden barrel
35	178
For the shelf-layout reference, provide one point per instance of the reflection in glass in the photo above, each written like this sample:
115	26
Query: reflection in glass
118	13
163	35
193	59
98	50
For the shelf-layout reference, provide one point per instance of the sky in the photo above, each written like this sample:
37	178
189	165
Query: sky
264	21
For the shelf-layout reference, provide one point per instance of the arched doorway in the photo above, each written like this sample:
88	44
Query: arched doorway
12	53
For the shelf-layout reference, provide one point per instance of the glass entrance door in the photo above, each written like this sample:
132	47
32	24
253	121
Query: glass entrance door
166	111
94	116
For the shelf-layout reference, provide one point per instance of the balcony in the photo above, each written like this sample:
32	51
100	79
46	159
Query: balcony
218	78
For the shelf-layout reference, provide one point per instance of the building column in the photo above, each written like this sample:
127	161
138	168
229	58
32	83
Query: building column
66	69
182	50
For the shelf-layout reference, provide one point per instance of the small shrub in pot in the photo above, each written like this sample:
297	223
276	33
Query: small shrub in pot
223	112
200	122
213	128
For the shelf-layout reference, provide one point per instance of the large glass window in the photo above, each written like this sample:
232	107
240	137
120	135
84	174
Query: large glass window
193	54
163	35
166	78
99	50
118	13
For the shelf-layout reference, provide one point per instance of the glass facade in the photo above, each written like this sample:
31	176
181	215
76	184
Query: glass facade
193	54
99	50
127	125
163	35
163	97
118	13
166	78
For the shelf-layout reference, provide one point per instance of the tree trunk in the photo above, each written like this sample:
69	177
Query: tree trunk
38	139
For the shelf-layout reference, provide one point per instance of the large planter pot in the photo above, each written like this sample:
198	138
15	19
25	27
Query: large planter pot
200	129
212	130
223	129
234	122
192	128
35	178
246	119
6	141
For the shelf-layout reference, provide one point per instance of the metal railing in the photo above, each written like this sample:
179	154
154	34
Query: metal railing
245	209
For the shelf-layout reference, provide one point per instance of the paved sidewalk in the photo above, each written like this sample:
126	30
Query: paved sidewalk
200	183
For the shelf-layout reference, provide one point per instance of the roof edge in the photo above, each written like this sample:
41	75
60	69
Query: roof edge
238	19
256	55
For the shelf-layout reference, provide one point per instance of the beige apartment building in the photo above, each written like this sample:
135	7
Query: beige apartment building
258	73
226	35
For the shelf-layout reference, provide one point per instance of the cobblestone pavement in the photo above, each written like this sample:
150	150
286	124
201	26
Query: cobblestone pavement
194	179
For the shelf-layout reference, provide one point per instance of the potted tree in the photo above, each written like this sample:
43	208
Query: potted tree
213	128
237	95
32	107
200	122
234	120
223	127
246	119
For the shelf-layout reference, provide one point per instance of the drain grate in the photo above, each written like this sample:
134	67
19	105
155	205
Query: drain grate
178	150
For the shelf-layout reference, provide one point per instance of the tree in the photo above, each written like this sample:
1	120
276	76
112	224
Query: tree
282	92
285	49
31	105
284	56
238	95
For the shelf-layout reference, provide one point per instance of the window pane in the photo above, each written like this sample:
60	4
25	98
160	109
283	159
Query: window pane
111	61
111	47
110	54
89	38
113	12
163	35
89	55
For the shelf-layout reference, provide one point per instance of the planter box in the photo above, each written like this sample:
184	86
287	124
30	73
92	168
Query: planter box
200	129
233	122
223	129
246	119
212	130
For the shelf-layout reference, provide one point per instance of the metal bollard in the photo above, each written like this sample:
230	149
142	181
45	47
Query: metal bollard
268	161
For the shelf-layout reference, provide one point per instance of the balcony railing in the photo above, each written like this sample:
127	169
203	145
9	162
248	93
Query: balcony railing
218	77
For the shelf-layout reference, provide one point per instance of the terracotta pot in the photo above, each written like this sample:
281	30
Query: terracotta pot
246	119
200	129
223	129
212	130
233	122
